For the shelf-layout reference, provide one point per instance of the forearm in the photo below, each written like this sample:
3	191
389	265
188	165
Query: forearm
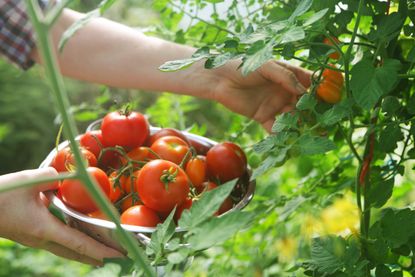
109	53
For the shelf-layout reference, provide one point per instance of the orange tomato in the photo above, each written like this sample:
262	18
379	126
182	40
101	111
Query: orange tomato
330	88
334	55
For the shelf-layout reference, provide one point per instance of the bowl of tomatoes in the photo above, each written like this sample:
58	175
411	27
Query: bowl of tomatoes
146	172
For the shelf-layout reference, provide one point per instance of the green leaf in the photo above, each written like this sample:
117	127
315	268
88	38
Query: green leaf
105	5
277	140
315	17
219	229
256	56
162	235
219	60
294	33
179	256
389	25
176	65
306	102
284	122
271	161
313	145
390	105
389	137
368	83
392	218
113	267
334	115
206	206
380	192
327	254
76	26
302	8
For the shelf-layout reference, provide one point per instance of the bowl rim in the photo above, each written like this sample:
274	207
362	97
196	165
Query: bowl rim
132	228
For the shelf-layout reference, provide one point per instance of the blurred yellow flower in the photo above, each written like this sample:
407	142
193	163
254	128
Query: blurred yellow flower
341	216
287	248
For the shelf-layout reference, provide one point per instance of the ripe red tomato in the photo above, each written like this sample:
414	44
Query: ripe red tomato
128	202
140	215
75	195
166	132
127	130
162	185
196	170
170	148
334	55
330	88
116	187
92	141
226	161
139	154
65	159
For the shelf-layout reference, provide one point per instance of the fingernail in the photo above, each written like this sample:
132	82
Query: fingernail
300	88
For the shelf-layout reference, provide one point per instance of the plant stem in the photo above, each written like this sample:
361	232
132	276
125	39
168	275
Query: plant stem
70	131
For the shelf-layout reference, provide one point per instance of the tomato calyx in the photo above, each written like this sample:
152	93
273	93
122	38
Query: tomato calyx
169	176
125	110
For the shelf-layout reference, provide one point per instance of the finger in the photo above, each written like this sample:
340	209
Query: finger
66	253
77	241
303	75
282	76
46	172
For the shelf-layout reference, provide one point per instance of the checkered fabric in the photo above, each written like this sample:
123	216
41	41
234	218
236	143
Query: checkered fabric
16	35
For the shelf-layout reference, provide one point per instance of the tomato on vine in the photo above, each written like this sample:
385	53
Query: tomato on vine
162	185
335	55
330	87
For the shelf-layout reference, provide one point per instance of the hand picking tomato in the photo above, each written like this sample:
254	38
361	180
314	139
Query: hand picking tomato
334	55
75	195
196	170
65	159
92	141
166	132
170	148
226	161
330	88
140	215
126	129
162	185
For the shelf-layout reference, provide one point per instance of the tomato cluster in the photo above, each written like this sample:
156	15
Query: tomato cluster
147	175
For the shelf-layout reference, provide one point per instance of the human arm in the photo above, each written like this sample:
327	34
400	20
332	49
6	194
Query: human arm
110	53
26	220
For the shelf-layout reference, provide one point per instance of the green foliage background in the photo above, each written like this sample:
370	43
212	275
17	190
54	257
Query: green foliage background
285	198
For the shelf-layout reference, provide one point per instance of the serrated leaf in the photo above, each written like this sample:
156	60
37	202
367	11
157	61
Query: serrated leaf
306	102
284	122
113	267
277	140
219	229
176	65
76	26
256	56
392	218
179	256
315	17
302	8
270	162
219	60
327	254
294	33
334	115
368	83
313	145
206	206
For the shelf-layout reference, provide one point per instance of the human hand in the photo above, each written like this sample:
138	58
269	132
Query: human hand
272	89
26	220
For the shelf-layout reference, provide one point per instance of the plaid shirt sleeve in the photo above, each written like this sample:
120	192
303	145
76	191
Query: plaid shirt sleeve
16	34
